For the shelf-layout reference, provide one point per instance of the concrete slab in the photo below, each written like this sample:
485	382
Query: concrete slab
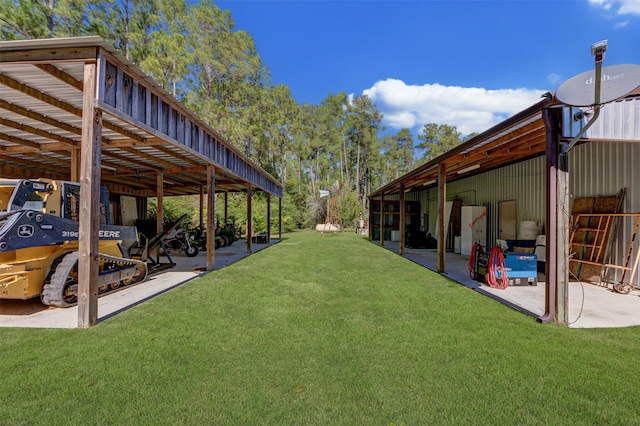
32	313
589	305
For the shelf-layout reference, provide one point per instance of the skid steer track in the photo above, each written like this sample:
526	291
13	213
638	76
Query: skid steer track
61	289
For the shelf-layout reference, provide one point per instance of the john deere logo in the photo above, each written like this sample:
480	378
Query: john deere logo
25	231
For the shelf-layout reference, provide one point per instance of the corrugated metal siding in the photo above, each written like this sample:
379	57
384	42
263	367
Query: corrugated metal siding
599	169
523	182
596	169
618	120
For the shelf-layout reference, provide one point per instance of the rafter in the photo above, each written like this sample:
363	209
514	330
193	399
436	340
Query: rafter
29	129
43	97
107	153
177	155
36	165
61	75
146	156
19	141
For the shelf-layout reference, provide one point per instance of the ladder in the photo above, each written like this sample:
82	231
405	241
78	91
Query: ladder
592	247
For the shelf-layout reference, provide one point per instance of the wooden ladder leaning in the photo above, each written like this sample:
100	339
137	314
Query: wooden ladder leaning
592	249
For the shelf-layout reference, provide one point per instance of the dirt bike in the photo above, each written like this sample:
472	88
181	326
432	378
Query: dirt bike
180	240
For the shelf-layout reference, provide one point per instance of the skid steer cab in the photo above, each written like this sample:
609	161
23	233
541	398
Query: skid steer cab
39	243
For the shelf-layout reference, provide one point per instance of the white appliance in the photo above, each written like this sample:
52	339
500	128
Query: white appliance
474	228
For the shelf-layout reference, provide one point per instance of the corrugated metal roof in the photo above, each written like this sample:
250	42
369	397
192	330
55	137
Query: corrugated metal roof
41	101
519	138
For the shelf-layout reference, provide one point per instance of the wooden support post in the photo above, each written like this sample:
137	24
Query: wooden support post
442	199
202	206
160	196
249	219
226	206
280	218
562	212
370	224
552	153
402	218
75	164
211	210
382	219
89	224
268	219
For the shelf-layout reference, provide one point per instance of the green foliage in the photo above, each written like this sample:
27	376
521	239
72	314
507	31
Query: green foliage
397	155
320	330
174	207
196	53
30	19
350	208
438	139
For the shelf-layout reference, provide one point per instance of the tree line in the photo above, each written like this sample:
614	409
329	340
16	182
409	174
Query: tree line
195	53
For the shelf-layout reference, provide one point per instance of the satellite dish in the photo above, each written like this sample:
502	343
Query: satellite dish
617	81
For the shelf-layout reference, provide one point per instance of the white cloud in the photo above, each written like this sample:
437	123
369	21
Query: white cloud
554	78
629	7
470	109
622	7
605	4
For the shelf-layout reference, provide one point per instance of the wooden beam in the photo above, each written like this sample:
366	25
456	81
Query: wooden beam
178	155
39	117
551	224
29	129
132	183
370	221
160	196
11	171
129	142
249	218
226	206
61	75
133	161
19	141
89	203
43	97
382	219
76	161
188	178
201	206
280	218
146	156
562	229
44	119
34	56
211	216
402	218
124	132
37	165
268	219
48	146
442	200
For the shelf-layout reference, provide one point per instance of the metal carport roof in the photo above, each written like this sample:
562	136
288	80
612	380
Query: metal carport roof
145	131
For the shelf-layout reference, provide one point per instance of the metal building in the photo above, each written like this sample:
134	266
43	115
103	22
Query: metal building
519	159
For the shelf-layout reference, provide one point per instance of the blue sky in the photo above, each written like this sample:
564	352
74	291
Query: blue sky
470	64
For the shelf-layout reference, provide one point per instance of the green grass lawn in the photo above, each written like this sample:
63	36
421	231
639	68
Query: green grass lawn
317	330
